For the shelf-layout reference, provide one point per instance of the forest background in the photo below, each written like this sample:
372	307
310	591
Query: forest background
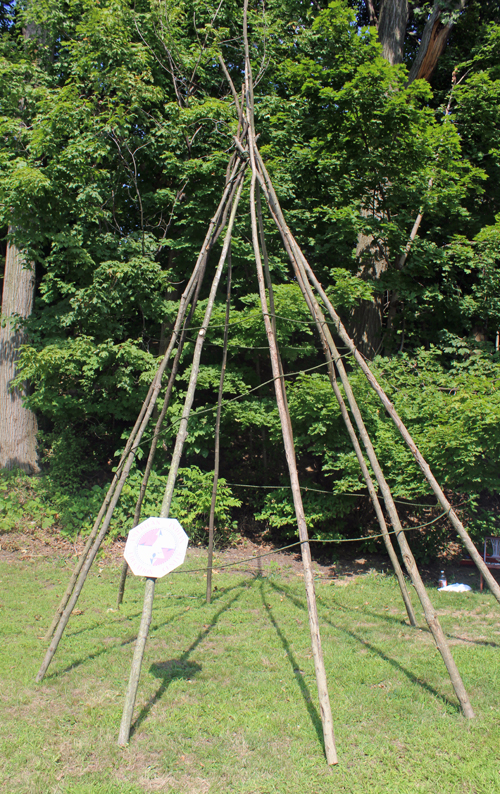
380	125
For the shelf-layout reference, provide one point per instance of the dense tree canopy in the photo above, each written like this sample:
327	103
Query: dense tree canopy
116	128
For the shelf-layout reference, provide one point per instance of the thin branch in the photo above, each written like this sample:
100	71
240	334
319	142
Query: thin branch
231	85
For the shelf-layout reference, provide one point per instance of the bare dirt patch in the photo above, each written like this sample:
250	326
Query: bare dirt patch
256	558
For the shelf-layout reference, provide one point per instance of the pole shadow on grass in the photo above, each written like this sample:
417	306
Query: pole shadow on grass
424	627
411	676
95	655
180	668
403	621
304	689
154	627
100	625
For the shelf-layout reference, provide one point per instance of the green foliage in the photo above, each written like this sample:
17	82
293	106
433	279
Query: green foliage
322	512
32	503
190	505
115	128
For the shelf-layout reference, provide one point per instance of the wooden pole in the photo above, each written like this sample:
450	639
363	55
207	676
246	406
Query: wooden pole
191	389
211	519
97	523
158	426
233	167
87	560
324	700
298	261
135	671
323	332
325	709
174	466
424	467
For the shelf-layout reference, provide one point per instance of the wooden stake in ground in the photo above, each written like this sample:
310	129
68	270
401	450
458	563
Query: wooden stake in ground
135	671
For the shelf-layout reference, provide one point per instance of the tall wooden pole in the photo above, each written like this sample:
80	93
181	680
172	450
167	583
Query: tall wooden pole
174	466
135	670
211	519
324	700
298	262
325	337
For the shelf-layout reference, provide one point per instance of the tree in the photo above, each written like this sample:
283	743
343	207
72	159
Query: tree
117	160
392	23
18	425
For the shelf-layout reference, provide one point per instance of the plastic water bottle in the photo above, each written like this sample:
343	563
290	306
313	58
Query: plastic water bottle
442	580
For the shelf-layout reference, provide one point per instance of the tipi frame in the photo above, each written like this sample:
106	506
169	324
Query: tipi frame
247	158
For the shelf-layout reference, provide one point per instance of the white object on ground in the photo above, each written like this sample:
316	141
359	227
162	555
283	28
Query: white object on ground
455	588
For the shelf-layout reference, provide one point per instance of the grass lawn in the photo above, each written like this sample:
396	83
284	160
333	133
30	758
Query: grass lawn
227	702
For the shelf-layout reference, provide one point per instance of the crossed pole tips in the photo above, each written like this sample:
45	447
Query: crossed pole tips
247	161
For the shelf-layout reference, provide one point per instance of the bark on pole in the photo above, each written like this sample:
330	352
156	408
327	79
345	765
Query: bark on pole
211	519
215	227
156	433
422	463
97	522
18	426
135	670
100	528
303	271
324	700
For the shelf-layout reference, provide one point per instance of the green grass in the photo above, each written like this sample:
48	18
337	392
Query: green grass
227	702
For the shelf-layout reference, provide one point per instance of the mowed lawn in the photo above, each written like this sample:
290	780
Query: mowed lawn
227	701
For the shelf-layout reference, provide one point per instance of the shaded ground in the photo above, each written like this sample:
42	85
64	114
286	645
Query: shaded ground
246	555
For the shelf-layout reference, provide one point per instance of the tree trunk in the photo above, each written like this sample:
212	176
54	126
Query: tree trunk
18	425
433	42
392	22
366	321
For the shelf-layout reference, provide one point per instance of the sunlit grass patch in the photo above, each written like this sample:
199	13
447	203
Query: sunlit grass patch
227	700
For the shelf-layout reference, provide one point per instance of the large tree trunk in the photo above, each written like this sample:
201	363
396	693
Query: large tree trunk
392	22
433	42
18	425
366	318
